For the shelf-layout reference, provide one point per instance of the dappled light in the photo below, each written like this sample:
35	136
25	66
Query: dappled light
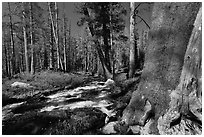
101	68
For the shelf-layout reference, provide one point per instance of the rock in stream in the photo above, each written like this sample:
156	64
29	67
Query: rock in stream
83	110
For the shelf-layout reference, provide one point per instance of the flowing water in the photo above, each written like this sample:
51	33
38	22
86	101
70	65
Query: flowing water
93	95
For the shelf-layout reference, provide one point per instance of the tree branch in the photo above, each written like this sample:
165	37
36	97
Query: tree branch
137	6
143	21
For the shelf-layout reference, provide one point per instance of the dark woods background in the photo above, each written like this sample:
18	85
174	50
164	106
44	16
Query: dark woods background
42	36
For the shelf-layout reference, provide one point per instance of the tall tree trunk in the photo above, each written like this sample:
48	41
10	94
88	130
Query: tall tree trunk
135	51
22	60
65	43
111	42
10	65
51	66
107	73
6	59
59	61
95	64
168	39
86	57
12	42
45	53
69	48
57	36
186	99
132	41
45	65
32	70
55	32
106	47
25	39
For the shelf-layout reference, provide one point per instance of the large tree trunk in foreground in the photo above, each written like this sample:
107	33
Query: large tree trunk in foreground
186	100
171	29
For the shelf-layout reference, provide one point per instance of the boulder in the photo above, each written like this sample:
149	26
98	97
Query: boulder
109	128
109	83
21	85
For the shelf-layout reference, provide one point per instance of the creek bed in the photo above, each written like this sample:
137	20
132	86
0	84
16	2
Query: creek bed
87	108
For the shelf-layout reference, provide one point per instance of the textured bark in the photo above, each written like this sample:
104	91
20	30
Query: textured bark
13	60
32	70
106	47
59	66
51	48
45	54
69	48
171	27
111	42
186	99
64	43
25	40
6	59
55	33
107	73
132	41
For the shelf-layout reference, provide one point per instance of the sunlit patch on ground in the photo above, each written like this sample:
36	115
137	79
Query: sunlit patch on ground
93	96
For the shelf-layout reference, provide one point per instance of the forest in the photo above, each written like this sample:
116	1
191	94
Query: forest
41	40
101	68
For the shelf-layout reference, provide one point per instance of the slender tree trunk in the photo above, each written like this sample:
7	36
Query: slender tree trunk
111	42
22	61
65	43
132	41
25	40
51	66
135	51
86	57
106	48
95	63
32	70
45	53
5	54
12	43
59	61
45	66
69	48
56	35
10	65
8	62
6	59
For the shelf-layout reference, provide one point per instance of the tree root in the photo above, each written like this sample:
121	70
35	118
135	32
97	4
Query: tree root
175	122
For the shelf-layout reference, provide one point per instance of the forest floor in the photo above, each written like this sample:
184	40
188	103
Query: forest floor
62	103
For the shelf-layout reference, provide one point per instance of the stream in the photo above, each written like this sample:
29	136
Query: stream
41	114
